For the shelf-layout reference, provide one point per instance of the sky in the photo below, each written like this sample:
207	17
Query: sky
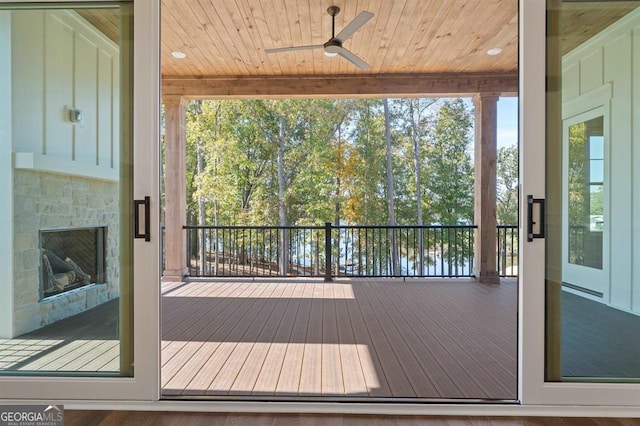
507	121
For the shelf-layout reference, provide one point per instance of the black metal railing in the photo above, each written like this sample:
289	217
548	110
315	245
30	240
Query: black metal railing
223	251
343	251
507	262
403	251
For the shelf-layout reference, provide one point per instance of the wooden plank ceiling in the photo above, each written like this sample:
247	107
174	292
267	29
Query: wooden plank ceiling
582	20
229	37
225	41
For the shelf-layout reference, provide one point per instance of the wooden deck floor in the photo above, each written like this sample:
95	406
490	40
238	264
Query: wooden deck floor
356	338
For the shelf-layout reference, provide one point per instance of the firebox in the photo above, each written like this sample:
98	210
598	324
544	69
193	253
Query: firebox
70	259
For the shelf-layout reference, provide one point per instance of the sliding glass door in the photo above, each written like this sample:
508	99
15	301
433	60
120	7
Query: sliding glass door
72	170
591	328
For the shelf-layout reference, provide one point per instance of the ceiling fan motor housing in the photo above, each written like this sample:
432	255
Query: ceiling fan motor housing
332	46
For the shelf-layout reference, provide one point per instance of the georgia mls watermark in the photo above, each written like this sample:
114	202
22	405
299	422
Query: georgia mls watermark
31	415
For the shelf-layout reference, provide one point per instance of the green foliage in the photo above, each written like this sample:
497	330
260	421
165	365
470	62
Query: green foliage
507	188
450	173
577	175
333	161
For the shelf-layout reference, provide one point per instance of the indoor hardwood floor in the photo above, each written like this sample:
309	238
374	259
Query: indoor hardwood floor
87	342
598	340
117	418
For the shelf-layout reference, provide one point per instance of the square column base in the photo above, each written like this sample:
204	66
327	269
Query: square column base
174	276
487	277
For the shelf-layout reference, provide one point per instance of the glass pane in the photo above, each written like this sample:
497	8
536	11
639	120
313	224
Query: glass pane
592	176
66	258
596	170
596	147
585	248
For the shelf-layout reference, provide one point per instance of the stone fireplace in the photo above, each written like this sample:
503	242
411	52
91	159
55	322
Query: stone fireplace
63	217
71	258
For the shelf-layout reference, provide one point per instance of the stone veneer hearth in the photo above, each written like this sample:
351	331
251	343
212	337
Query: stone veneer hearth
48	201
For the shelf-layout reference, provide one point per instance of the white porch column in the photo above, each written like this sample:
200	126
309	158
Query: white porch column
484	265
175	186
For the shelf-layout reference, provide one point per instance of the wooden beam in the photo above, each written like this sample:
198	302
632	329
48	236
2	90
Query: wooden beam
389	85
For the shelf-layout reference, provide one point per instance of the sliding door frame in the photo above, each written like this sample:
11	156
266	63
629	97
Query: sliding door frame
535	390
144	384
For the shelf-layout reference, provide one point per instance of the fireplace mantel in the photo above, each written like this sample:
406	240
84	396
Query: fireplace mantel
46	163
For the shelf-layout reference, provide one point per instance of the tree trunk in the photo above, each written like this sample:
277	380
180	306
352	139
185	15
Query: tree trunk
201	211
417	161
390	192
284	241
216	222
336	219
202	248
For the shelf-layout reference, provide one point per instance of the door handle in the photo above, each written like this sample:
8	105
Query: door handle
530	222
147	219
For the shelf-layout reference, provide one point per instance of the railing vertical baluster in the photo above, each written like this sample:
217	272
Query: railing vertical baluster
223	243
270	253
347	247
512	251
188	259
216	253
456	255
276	242
338	241
441	250
207	255
449	251
470	237
351	237
327	252
380	250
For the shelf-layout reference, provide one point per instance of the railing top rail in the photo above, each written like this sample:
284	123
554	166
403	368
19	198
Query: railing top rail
250	227
337	226
404	226
507	226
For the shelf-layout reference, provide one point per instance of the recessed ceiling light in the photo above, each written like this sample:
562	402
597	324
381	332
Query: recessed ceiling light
495	51
178	55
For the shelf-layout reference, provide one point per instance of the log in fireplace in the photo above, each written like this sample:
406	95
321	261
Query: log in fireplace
71	258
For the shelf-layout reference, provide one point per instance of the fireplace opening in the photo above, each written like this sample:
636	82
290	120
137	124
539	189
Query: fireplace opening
71	258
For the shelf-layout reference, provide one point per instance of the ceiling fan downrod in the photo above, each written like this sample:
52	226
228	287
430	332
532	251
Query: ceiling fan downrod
333	11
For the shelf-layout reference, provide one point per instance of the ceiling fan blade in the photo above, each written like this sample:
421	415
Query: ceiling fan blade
294	48
353	26
353	59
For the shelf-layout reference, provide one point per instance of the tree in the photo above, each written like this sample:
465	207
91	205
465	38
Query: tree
450	178
450	170
390	193
366	194
415	122
507	182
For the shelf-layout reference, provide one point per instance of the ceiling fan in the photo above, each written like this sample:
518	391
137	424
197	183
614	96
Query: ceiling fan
333	46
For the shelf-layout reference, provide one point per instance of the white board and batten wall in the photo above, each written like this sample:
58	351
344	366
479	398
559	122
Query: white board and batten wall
60	62
604	73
